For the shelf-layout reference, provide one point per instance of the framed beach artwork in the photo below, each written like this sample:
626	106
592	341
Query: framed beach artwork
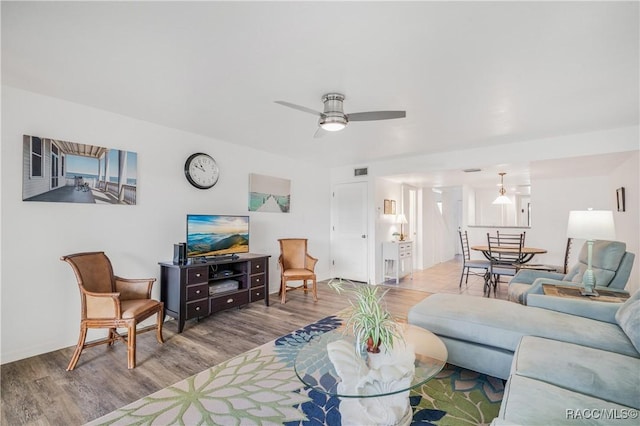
68	172
269	194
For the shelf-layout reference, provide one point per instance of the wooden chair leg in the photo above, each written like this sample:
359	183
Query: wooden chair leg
112	336
79	347
314	290
131	345
283	291
304	285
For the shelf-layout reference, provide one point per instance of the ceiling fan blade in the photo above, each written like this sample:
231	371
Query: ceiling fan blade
376	115
319	133
299	108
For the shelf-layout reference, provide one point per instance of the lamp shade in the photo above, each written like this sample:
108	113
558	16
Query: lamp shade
502	199
401	218
591	225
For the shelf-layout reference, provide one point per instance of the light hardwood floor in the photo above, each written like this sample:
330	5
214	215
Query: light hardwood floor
38	390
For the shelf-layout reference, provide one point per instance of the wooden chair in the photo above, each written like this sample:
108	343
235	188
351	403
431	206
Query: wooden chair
111	302
296	265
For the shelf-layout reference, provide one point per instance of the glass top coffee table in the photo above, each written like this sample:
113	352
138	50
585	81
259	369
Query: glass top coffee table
374	388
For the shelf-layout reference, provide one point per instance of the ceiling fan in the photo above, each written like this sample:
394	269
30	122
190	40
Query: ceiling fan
334	118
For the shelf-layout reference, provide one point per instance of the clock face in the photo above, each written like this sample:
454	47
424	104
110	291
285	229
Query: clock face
201	170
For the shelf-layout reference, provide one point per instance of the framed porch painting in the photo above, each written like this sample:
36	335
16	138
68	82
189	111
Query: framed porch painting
269	194
68	172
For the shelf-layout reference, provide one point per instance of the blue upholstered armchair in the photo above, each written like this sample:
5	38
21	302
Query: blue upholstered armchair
611	265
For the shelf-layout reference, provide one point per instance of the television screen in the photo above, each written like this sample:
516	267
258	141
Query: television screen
215	235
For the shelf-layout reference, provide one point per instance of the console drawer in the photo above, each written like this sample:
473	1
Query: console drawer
257	280
197	275
257	293
258	266
229	301
195	292
198	309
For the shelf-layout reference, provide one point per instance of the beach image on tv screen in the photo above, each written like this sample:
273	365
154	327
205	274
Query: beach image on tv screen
212	235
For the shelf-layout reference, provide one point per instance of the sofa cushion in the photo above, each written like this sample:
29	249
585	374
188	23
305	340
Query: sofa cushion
601	374
502	324
533	402
628	318
605	261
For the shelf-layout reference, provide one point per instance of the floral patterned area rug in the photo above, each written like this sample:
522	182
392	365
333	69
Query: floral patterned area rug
260	387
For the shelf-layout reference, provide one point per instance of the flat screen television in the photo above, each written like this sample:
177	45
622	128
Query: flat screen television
211	235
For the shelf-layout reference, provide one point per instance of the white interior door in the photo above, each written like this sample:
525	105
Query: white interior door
349	251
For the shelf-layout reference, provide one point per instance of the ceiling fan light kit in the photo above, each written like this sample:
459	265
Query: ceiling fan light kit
334	119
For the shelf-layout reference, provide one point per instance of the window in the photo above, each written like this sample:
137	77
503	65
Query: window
36	156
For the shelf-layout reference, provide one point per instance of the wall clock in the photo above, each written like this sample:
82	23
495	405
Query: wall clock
201	170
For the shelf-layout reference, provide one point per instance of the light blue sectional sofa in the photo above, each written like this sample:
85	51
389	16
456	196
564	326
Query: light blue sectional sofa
558	354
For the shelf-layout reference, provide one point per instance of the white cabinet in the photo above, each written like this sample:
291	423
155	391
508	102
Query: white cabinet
397	259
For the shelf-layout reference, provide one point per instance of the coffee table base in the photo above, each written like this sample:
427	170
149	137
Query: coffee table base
377	411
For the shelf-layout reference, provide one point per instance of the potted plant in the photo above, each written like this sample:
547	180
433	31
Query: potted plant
372	325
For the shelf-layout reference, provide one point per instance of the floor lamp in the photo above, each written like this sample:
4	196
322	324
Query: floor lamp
590	225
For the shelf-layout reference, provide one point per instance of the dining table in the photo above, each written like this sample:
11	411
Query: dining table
526	253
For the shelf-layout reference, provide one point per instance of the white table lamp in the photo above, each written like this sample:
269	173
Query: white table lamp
401	219
590	225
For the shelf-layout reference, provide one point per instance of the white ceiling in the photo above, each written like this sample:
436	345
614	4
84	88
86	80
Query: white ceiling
468	74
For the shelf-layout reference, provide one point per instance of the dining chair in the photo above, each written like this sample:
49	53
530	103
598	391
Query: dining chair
510	236
561	269
468	264
505	255
296	264
111	302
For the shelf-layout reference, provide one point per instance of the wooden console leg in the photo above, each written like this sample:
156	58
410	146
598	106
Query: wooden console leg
159	326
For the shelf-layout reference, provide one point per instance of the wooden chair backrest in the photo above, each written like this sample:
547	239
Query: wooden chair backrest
93	271
293	252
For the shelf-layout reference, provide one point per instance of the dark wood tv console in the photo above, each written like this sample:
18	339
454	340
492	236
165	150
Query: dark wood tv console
201	288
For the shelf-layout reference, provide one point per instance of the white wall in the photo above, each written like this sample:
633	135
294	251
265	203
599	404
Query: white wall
40	301
489	214
627	175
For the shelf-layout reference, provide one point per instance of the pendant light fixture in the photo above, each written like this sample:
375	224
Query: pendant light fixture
502	199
